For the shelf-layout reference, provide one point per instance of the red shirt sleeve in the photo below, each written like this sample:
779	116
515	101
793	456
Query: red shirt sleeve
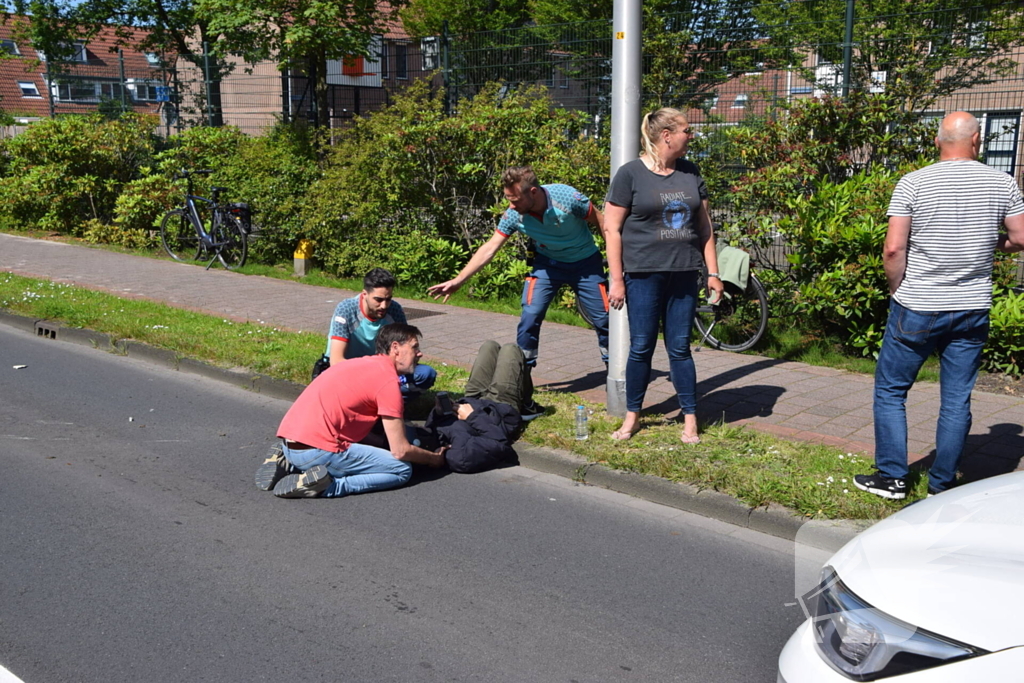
389	401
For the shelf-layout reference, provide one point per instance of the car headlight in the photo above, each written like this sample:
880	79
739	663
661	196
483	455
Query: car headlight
866	644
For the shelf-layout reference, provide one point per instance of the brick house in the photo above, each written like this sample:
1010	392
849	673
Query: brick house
98	71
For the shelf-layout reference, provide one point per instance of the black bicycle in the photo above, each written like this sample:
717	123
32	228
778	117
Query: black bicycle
738	320
216	230
734	323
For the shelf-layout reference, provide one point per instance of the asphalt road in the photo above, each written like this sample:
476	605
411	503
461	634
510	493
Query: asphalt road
136	548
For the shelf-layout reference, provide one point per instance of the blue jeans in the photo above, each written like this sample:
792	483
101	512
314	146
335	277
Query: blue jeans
359	469
910	337
586	278
654	298
421	379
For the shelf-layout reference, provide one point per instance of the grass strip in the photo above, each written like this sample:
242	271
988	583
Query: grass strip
756	468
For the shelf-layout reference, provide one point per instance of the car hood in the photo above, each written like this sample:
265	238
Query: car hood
952	564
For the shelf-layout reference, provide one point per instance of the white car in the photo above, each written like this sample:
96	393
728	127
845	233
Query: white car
933	594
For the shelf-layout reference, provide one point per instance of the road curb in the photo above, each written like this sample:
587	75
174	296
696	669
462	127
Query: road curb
253	381
773	520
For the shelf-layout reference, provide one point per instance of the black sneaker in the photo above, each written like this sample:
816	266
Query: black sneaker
273	468
310	484
895	489
531	410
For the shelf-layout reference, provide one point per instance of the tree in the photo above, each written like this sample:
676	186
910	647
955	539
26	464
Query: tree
306	32
917	52
692	47
422	18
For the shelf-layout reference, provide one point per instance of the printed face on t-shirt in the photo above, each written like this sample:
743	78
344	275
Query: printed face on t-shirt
676	216
376	302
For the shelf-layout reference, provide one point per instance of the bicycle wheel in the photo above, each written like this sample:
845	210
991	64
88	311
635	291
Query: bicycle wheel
179	237
232	244
738	321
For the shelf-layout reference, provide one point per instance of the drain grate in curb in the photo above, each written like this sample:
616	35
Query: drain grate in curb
416	313
46	330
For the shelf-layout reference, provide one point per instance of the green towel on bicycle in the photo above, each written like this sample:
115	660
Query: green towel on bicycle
733	266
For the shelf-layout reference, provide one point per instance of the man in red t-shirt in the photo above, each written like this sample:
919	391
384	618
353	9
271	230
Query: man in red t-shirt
322	431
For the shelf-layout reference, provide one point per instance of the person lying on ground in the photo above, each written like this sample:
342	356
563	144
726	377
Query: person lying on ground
481	426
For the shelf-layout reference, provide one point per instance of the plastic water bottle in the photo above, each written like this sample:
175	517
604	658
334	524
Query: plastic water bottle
582	433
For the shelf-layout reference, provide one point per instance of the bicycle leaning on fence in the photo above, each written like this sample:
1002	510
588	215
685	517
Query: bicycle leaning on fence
736	322
222	235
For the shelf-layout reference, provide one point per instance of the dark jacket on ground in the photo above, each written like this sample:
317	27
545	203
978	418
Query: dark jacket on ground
483	441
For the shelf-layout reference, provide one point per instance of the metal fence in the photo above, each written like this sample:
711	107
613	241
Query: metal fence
738	60
254	97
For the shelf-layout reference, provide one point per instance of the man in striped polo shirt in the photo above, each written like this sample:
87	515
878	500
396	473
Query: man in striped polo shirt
944	227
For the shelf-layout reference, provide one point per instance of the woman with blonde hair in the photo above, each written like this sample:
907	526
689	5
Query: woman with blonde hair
659	236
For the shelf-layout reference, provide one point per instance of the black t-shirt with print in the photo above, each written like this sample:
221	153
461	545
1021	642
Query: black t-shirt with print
660	232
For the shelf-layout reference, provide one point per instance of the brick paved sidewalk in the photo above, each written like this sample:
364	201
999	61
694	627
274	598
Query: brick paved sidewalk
788	399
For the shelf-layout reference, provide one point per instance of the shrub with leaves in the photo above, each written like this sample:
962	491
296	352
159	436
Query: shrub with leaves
814	141
837	236
144	201
410	164
62	172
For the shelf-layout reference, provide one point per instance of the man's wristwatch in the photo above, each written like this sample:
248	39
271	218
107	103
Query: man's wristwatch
715	275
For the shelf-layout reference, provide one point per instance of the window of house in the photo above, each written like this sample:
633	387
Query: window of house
384	47
86	91
10	47
110	91
431	54
828	77
1001	140
401	60
144	91
713	103
78	54
28	89
153	58
562	73
740	102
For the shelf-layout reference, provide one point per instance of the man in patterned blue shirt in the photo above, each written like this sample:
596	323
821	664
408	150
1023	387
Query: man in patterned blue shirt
358	320
557	218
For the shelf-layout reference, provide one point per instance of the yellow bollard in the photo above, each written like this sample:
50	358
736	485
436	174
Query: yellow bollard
303	257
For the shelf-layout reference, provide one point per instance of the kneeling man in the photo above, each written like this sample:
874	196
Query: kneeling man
321	432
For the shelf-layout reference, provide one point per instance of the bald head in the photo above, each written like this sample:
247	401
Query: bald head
960	130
